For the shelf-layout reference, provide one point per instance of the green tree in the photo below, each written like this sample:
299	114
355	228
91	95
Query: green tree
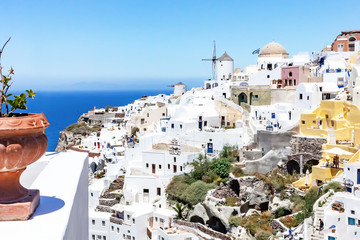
179	209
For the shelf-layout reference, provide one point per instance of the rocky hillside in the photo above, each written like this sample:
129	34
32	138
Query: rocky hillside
73	134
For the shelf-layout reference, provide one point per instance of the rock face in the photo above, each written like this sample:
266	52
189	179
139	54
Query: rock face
69	138
215	212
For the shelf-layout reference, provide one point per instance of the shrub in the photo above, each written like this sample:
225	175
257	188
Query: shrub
280	212
237	171
288	221
201	166
196	192
221	167
236	221
299	218
263	235
310	198
229	152
209	177
337	187
177	186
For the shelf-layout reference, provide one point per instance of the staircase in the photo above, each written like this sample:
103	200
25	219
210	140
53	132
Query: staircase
319	214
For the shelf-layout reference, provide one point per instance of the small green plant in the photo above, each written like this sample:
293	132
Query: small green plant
18	101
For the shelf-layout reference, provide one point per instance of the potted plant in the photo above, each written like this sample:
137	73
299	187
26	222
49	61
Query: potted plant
22	142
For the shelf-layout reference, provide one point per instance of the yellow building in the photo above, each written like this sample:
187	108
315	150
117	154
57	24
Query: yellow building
339	123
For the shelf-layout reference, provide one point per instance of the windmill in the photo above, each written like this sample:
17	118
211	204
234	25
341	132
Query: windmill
213	59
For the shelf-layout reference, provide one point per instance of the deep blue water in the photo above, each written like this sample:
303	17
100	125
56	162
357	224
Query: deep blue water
64	108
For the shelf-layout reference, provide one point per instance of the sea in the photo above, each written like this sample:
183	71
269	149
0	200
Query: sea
64	108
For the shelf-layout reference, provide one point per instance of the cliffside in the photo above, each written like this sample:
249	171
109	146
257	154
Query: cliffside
73	134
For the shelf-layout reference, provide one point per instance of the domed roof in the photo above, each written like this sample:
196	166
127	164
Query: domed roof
273	49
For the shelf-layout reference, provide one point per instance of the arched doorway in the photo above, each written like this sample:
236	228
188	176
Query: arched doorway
216	224
242	98
197	219
308	165
292	166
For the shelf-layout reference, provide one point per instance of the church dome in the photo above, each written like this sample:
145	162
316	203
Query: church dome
274	49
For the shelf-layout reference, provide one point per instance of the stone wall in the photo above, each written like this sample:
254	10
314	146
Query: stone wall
307	148
202	228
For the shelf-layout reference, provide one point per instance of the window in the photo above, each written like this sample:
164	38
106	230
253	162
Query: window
307	98
174	159
112	228
290	74
92	194
205	123
272	115
133	220
93	222
93	237
163	114
128	217
168	166
147	114
268	76
255	98
159	166
172	125
302	122
147	165
352	211
300	96
320	89
104	237
181	168
117	229
146	190
294	82
180	126
103	223
142	121
158	191
351	221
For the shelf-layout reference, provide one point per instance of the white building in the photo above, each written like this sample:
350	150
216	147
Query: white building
354	85
342	217
309	95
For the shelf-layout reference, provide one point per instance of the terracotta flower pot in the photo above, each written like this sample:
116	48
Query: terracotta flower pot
22	142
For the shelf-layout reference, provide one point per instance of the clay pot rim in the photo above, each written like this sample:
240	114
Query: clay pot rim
23	123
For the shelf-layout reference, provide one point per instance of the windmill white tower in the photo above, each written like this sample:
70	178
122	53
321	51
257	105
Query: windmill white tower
225	68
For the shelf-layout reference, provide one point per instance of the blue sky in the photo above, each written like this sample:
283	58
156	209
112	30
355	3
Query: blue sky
118	44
